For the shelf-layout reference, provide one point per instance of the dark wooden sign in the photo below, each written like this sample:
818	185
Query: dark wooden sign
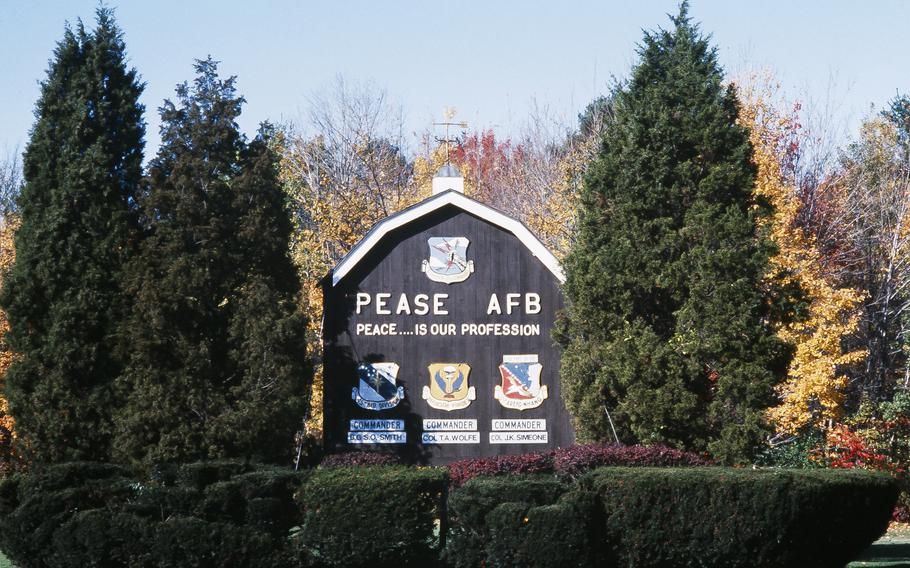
437	337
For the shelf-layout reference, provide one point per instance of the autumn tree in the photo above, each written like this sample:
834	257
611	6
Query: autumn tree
9	454
551	167
534	177
827	314
10	184
874	212
217	365
667	330
487	165
344	170
62	295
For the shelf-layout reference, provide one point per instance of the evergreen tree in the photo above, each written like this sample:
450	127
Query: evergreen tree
217	344
82	167
667	327
267	330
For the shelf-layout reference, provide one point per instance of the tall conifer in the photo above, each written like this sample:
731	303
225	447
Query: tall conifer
667	328
217	362
82	167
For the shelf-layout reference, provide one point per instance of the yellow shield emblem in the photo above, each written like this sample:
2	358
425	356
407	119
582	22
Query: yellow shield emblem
449	389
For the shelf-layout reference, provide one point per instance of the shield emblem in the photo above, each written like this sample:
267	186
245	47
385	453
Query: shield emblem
448	389
377	389
448	262
520	388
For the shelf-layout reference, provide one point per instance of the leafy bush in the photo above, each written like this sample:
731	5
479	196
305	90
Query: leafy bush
576	460
803	451
565	533
463	470
469	506
730	518
35	506
231	514
572	461
87	514
356	459
372	516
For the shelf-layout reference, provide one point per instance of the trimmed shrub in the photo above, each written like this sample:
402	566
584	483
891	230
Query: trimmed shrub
98	537
86	514
740	518
262	499
358	459
193	542
372	516
573	461
36	506
469	505
565	533
200	475
576	460
463	470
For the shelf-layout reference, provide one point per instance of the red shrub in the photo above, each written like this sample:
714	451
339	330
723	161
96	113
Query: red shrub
463	470
576	460
573	461
353	459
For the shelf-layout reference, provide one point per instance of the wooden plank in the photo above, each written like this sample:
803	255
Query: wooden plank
502	265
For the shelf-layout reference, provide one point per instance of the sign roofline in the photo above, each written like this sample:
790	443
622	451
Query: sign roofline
431	204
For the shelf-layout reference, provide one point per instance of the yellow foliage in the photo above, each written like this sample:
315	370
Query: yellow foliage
7	431
539	184
426	166
337	199
554	222
813	391
340	193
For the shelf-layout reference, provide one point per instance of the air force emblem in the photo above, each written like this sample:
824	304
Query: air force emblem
377	390
448	260
449	388
520	387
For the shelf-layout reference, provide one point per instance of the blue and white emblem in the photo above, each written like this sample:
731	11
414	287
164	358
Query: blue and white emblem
377	390
520	388
448	262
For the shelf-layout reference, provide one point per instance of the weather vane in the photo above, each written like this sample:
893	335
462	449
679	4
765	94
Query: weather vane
448	113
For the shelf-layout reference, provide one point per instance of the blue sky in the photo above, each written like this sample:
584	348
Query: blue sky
491	59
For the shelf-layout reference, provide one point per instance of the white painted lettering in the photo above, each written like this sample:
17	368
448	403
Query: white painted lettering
403	306
421	307
532	303
439	308
381	302
363	299
493	307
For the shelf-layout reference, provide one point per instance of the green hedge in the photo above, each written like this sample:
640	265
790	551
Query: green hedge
565	533
740	518
470	504
86	514
372	516
231	514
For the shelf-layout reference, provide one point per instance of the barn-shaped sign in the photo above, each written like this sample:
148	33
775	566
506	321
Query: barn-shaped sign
437	336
